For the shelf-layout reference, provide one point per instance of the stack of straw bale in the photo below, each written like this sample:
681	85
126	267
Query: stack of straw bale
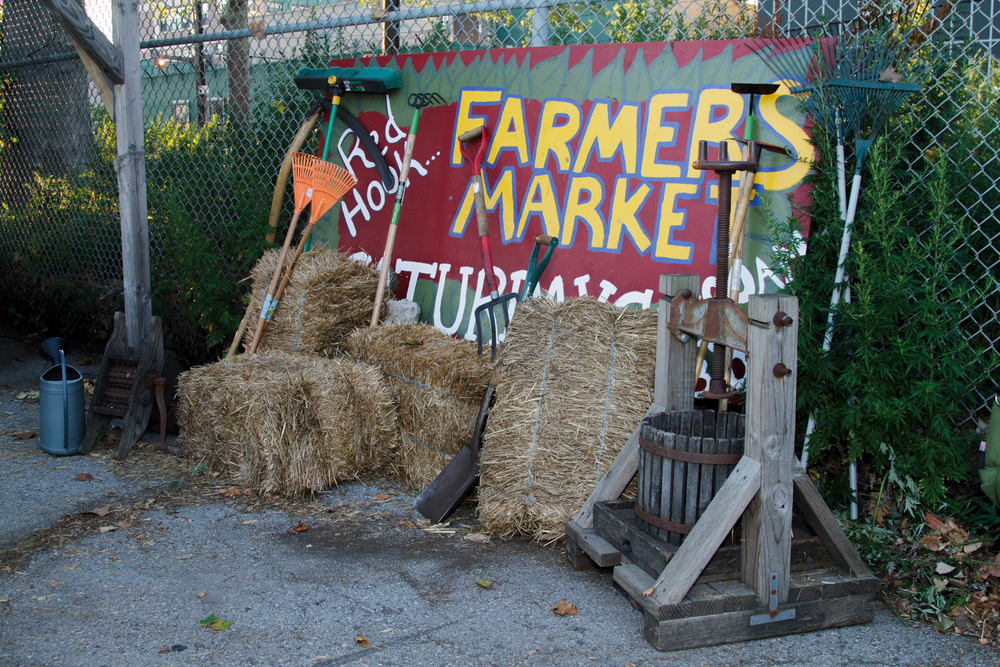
438	383
328	296
286	424
546	446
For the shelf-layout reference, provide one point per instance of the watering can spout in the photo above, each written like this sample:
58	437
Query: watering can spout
49	349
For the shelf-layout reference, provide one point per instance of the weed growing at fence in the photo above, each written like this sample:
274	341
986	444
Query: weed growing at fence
893	389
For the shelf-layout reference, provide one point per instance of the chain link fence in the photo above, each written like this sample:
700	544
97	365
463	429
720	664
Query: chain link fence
221	109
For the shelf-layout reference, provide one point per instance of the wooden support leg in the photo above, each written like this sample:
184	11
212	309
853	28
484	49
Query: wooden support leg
578	558
770	439
708	533
141	401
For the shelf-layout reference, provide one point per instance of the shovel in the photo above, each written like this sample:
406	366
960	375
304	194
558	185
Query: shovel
452	484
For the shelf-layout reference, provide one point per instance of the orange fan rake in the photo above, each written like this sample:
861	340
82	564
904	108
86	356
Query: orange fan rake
328	184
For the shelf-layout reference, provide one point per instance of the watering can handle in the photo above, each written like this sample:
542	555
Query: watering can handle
62	361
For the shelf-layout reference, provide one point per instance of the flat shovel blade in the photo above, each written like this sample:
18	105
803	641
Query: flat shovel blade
450	487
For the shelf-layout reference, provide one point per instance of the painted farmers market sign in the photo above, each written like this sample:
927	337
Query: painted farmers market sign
590	144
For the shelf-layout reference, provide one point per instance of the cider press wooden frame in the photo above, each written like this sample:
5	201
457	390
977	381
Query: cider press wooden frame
764	598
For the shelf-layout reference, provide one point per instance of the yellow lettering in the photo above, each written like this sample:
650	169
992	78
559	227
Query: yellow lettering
586	210
659	134
540	199
511	132
609	136
554	138
625	216
704	126
501	195
670	218
465	120
792	172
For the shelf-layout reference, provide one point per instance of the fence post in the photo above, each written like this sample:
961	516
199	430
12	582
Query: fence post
131	167
540	24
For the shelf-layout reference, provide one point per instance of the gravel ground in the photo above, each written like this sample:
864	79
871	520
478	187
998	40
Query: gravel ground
119	570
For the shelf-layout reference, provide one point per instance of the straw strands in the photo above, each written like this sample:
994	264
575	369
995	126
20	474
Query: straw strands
286	424
328	296
574	380
437	382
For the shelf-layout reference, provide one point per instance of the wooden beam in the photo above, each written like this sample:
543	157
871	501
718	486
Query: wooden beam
131	167
619	474
708	533
770	439
821	519
88	39
673	386
101	82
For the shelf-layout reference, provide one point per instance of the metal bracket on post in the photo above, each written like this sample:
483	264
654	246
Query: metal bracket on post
715	320
773	615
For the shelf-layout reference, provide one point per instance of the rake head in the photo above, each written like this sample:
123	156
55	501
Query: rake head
302	172
330	183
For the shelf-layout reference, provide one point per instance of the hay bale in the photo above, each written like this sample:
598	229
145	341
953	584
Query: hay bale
438	383
328	296
286	424
543	450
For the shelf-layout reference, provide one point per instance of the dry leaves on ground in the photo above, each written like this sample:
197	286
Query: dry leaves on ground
563	608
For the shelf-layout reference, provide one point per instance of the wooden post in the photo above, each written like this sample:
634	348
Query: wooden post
673	386
131	167
772	349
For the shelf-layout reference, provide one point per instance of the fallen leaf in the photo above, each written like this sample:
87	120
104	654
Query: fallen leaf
971	548
992	570
484	583
26	435
185	556
73	566
533	651
214	623
231	492
564	609
107	529
27	394
944	568
249	522
164	649
103	510
414	341
362	641
84	476
298	528
123	524
932	521
930	542
201	594
111	494
940	584
943	623
379	497
629	664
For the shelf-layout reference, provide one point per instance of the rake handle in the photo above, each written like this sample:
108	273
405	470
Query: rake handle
270	289
262	323
390	241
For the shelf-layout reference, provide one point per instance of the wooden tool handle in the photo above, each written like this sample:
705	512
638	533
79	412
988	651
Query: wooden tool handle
241	332
383	276
469	135
286	169
262	323
543	239
480	199
390	240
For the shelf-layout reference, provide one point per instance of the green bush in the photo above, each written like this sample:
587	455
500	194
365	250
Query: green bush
896	384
